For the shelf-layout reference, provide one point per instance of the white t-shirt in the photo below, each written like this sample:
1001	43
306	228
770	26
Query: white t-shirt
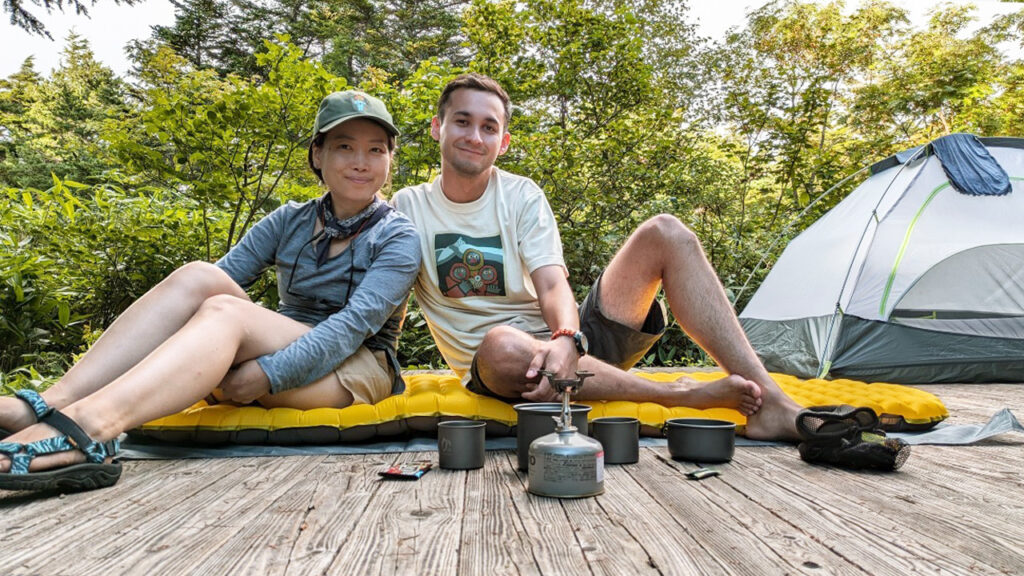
477	260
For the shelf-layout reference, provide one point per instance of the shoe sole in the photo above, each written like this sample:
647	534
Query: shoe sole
75	478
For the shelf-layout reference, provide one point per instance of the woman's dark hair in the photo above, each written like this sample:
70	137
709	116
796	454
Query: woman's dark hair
318	141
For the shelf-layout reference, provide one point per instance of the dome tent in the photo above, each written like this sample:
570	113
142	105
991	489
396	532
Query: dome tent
916	276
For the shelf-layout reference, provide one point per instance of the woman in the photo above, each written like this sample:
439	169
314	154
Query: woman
345	263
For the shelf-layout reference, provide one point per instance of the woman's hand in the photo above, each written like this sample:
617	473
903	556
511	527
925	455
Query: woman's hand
245	383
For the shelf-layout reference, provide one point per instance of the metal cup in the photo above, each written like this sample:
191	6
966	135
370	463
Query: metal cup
620	437
537	419
700	439
460	444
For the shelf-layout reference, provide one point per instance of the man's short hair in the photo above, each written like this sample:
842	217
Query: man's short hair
474	81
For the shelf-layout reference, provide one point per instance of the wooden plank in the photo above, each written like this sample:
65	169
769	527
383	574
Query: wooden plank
332	492
648	543
410	527
976	403
878	531
952	506
550	535
98	524
188	531
797	548
345	486
951	510
986	479
261	545
607	545
803	496
494	540
32	513
628	503
724	538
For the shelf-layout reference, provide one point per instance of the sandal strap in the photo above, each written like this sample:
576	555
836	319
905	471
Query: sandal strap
75	438
18	456
834	423
867	449
34	401
21	455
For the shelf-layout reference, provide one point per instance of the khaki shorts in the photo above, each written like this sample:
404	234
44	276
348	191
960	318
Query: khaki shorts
367	375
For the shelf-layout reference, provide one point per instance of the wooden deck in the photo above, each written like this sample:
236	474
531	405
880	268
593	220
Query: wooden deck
950	510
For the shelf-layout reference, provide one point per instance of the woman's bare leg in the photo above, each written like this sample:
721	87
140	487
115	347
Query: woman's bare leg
224	331
146	324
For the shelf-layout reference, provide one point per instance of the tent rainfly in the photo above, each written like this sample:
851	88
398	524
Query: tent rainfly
916	276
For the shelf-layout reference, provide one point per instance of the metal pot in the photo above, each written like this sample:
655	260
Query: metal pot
537	419
700	439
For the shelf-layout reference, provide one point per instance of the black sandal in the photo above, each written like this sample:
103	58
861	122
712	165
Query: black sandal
824	423
94	473
848	437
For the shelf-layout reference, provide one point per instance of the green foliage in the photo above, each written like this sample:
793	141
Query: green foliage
412	105
228	144
348	37
416	348
73	257
36	317
396	35
786	78
54	124
935	81
597	129
206	34
620	112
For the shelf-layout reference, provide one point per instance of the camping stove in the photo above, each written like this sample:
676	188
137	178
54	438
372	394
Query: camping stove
565	463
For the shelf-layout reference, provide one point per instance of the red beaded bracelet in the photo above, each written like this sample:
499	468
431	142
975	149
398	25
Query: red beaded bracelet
563	332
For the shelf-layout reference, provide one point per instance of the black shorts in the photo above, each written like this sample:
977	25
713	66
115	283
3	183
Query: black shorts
610	341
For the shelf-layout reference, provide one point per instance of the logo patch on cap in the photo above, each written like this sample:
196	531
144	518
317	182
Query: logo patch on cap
359	102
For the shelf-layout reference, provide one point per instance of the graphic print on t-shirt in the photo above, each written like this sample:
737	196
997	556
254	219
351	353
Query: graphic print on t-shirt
469	266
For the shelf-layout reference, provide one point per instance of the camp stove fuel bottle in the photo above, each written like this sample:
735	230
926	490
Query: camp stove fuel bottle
565	463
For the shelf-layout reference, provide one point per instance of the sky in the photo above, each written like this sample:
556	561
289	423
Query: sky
111	27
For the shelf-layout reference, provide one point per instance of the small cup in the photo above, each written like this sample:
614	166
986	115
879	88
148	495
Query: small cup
700	439
534	420
460	444
620	437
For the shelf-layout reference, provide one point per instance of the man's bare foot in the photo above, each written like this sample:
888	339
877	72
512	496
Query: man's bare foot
776	420
729	392
15	414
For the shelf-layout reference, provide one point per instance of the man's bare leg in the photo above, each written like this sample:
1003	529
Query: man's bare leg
146	324
506	352
663	252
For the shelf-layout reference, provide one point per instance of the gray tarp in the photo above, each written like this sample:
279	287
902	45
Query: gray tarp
134	449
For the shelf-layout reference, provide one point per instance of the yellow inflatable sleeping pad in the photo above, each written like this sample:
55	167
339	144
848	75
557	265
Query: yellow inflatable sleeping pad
433	397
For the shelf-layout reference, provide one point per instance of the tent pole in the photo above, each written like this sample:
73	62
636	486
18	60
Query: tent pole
825	361
778	238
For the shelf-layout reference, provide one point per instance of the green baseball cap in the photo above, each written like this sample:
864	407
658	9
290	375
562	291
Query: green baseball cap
339	107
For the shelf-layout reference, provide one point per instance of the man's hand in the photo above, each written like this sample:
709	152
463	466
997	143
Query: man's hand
245	383
558	356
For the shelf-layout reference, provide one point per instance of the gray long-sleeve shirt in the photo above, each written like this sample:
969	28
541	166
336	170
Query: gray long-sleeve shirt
382	263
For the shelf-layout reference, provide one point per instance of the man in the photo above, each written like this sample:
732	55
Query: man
493	285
